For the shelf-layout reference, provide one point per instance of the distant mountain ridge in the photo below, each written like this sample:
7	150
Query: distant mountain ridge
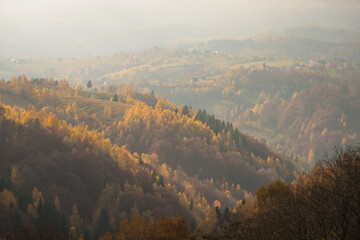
300	42
325	34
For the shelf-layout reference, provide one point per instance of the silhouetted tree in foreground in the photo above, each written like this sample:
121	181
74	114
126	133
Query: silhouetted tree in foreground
323	205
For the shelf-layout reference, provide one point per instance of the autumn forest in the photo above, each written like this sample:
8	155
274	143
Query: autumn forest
128	120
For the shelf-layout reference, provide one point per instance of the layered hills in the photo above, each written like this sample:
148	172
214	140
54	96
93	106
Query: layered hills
68	160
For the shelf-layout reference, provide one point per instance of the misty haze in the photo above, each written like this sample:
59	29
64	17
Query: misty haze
179	119
82	28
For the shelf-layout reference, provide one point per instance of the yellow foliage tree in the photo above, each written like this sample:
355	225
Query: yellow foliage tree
8	198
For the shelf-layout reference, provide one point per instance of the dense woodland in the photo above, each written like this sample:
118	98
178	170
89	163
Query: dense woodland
61	165
322	205
59	181
308	121
177	143
254	83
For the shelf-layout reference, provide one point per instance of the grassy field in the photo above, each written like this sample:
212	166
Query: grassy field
88	105
91	106
13	99
279	63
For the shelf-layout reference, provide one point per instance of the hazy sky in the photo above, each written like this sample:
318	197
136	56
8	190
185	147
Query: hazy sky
83	27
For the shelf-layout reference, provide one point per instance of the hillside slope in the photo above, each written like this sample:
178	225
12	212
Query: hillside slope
73	173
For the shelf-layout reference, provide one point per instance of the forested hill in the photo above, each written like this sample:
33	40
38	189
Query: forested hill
163	128
89	166
54	176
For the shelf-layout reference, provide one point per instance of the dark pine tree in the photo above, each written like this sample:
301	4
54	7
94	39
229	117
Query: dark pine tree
102	224
115	98
89	84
